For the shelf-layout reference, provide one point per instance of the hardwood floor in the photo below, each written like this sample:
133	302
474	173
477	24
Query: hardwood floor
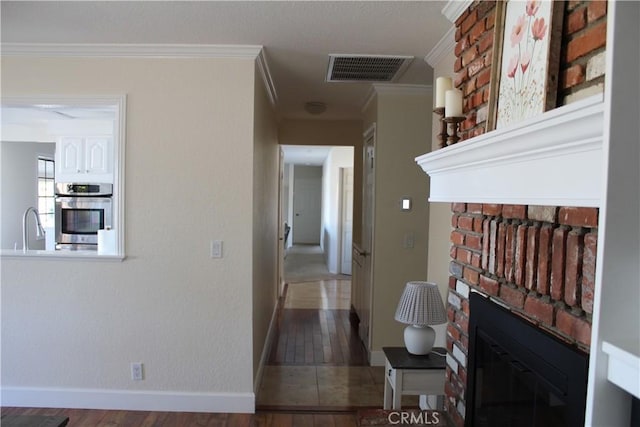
101	418
317	362
316	337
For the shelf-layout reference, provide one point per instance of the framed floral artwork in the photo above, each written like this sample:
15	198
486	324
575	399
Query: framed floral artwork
526	58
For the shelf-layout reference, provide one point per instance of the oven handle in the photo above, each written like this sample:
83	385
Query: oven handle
106	199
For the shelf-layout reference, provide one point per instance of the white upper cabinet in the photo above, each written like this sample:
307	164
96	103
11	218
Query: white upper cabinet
84	159
96	155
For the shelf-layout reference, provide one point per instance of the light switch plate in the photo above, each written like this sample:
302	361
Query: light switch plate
216	249
409	240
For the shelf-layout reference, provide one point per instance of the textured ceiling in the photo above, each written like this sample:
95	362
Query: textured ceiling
297	36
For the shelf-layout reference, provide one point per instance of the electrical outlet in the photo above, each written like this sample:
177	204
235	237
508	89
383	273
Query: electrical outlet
136	371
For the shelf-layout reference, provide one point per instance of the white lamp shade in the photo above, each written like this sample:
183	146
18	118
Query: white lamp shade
421	304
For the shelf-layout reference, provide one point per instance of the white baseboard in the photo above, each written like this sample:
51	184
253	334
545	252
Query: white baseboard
128	400
266	349
376	358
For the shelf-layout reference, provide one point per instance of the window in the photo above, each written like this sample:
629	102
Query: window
46	196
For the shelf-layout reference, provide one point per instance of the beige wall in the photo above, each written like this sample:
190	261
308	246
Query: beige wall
187	317
266	159
319	132
439	217
403	129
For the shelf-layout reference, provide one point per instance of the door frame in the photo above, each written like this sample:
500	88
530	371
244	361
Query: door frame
281	242
341	212
365	328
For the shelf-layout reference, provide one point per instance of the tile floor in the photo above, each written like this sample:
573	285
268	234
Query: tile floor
323	387
322	294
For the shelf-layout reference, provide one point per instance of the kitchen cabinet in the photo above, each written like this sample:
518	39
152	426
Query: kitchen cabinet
84	159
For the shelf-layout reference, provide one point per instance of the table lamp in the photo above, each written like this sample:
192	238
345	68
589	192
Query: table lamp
420	306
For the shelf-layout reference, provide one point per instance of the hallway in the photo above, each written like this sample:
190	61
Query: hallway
317	361
304	263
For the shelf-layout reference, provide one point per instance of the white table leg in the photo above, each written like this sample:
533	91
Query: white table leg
397	396
388	393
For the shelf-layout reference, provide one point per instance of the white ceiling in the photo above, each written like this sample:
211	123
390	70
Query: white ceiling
297	36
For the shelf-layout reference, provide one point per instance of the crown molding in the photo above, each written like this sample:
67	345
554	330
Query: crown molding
455	8
444	46
131	50
163	51
263	68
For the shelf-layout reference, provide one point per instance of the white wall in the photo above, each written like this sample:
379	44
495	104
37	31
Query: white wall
70	328
19	187
338	157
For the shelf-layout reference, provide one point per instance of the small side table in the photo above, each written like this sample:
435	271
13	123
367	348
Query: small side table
406	373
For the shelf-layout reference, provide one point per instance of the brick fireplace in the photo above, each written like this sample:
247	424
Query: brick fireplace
539	261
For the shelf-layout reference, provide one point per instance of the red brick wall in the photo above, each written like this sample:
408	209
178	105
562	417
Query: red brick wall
581	65
538	260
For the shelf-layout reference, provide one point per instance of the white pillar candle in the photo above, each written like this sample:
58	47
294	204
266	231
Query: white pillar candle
453	103
443	84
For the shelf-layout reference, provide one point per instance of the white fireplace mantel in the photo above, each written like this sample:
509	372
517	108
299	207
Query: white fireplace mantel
553	159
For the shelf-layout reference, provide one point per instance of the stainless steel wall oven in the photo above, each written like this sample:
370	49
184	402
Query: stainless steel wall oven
82	210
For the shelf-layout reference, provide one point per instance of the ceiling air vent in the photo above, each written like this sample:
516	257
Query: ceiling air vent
366	68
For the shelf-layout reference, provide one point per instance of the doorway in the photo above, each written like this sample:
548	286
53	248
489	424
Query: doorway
317	207
346	220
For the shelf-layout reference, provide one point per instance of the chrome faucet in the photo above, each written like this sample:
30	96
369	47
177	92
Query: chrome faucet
39	230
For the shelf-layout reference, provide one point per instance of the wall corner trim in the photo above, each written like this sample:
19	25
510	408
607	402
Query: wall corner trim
444	46
377	358
455	8
159	51
108	50
394	89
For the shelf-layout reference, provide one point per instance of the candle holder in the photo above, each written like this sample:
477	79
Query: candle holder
455	128
443	135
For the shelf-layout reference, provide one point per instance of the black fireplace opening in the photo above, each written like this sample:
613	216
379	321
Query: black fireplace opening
520	375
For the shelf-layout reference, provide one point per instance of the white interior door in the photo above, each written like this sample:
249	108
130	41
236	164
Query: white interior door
346	220
307	204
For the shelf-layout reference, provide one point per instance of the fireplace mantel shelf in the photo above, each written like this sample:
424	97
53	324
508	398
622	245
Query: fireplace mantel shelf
528	163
